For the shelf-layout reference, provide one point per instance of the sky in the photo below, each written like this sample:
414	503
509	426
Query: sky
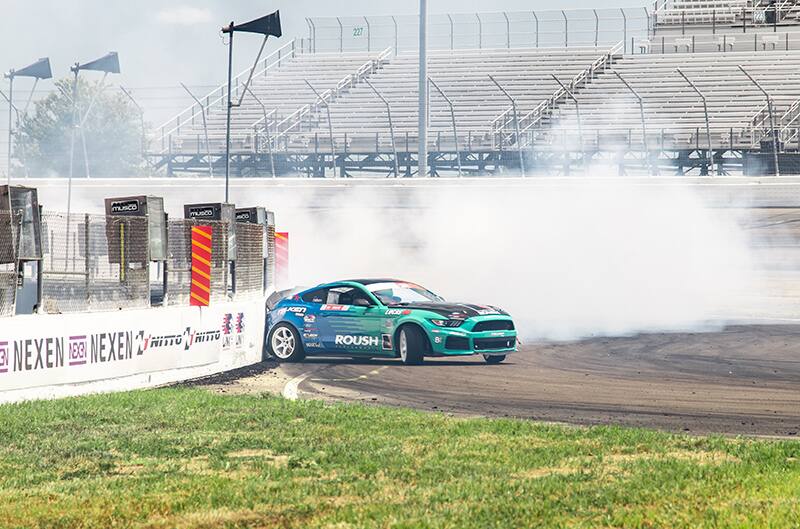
162	43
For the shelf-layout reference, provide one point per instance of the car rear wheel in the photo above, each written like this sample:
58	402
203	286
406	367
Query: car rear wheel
494	359
411	345
285	344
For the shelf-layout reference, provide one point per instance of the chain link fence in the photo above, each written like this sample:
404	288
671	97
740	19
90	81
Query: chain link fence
8	275
249	260
102	263
94	263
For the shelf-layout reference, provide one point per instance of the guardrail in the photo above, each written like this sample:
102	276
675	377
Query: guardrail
294	120
545	108
219	96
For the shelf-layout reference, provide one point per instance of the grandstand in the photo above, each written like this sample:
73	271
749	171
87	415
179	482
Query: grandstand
323	112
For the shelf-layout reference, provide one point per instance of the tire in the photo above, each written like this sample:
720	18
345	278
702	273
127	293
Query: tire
411	345
494	359
285	345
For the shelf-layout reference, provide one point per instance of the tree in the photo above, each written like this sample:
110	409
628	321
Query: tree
112	133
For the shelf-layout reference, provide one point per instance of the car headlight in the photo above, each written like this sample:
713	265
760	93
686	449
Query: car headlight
448	323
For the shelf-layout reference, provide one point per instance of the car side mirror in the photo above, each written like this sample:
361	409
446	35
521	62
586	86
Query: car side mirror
361	302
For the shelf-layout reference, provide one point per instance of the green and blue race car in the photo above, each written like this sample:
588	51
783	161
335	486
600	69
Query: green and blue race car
385	318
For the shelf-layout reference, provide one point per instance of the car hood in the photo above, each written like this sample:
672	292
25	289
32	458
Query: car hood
454	310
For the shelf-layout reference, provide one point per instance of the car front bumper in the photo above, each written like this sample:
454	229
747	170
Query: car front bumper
454	342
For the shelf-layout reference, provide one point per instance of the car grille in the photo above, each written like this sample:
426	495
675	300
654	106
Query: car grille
493	325
456	343
491	344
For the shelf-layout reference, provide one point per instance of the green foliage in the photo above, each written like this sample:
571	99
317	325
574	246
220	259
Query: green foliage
191	459
113	134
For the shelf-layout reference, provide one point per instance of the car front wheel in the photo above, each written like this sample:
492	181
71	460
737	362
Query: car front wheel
285	344
411	346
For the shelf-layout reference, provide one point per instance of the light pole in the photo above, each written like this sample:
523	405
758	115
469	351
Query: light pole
422	169
771	120
266	25
38	70
141	123
708	123
516	124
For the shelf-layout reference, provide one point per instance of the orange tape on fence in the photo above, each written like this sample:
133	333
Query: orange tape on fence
201	266
281	258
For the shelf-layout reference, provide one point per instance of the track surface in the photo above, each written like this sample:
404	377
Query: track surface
744	380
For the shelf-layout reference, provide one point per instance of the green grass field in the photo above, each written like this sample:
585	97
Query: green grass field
187	458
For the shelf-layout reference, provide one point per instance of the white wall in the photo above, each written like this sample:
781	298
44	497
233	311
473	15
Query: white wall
49	356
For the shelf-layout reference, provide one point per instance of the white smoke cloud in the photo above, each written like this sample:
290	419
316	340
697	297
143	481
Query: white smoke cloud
184	15
567	260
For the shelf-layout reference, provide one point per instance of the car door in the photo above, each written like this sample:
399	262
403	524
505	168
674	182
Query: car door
351	328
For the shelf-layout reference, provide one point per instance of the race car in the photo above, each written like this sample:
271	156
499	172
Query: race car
388	318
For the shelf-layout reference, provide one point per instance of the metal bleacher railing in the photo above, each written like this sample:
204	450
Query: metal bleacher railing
101	263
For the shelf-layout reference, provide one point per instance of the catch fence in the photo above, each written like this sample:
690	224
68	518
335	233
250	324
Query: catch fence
102	263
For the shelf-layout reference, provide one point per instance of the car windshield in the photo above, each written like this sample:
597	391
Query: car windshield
397	293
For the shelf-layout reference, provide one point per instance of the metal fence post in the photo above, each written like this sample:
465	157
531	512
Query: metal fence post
369	34
625	31
566	29
508	30
480	31
341	34
597	27
516	125
536	26
394	22
452	31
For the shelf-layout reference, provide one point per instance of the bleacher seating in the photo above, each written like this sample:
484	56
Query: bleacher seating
673	111
282	90
463	75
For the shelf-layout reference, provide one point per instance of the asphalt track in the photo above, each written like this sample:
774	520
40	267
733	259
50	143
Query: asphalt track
743	380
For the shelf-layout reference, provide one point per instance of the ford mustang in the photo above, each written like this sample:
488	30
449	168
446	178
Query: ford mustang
385	318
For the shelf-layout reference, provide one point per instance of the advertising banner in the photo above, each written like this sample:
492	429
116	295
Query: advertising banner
48	350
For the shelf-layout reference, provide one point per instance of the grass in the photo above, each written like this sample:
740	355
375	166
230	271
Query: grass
187	458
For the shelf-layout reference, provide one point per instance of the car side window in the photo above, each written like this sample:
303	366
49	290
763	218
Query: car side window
316	296
347	296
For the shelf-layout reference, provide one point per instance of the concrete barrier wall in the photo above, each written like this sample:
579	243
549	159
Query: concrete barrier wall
49	356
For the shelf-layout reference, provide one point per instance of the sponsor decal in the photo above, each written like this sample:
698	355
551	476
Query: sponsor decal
359	341
202	213
242	216
387	342
232	330
310	318
125	206
398	312
437	339
314	345
458	316
336	308
78	351
297	311
310	335
4	357
487	312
